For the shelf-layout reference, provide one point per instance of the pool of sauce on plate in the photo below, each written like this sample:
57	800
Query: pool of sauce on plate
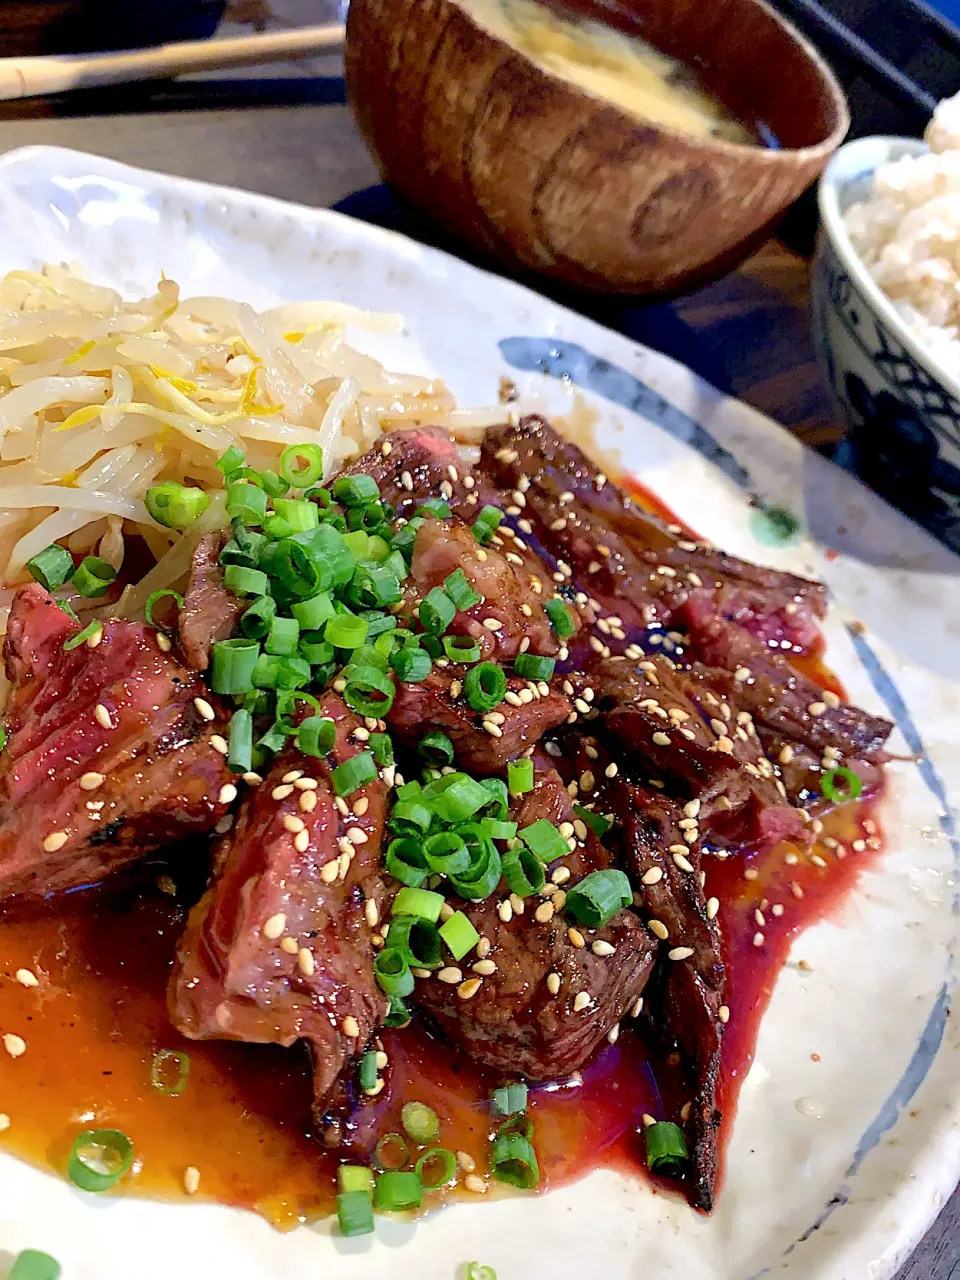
98	1017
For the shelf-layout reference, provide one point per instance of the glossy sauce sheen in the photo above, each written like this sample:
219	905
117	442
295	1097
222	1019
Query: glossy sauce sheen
98	1017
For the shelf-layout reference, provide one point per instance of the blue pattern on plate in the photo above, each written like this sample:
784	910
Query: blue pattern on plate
903	436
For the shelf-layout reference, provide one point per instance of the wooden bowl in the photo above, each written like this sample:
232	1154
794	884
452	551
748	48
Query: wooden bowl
535	171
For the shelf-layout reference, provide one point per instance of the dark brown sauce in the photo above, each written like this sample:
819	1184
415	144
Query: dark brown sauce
98	1017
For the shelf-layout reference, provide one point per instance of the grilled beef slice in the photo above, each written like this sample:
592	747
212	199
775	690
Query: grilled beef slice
210	611
440	703
788	709
686	999
628	560
108	753
443	546
513	1021
705	746
279	948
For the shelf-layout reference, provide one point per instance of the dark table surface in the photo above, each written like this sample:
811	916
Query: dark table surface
747	333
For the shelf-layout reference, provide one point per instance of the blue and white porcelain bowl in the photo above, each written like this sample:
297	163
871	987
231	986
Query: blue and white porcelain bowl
901	408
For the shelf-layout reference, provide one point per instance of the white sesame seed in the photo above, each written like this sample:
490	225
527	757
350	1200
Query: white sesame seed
517	903
275	926
228	793
602	948
494	730
492	624
544	913
27	978
191	1180
307	801
661	740
4	1122
102	716
164	643
658	928
817	860
290	946
217	742
484	967
653	875
473	1182
723	1013
484	947
330	871
56	840
292	823
576	937
680	953
683	863
375	1089
351	1027
305	962
505	912
468	989
817	708
90	781
713	906
204	709
252	779
15	1046
758	939
406	479
281	792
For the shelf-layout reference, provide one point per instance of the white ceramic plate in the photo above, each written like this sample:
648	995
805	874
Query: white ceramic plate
835	1198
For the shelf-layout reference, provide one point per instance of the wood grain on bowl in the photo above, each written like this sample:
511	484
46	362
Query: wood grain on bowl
533	170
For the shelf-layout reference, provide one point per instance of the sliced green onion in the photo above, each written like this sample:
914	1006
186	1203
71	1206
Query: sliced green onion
275	739
316	736
397	1014
497	829
543	839
154	599
418	902
523	872
298	514
90	630
274	485
446	853
560	618
404	861
459	935
393	973
436	1168
461	649
532	667
498	803
487	523
391	1152
240	746
51	567
455	797
436	748
276	527
418	940
510	1099
346	631
419	1121
520	777
245	582
597	898
93	576
483	876
436	611
382	749
411	817
231	459
368	691
368	1080
598	824
353	774
232	665
256	620
357	1177
854	788
411	665
246	502
315	613
356	491
301	465
373	587
31	1264
355	1213
67	608
175	506
435	507
169	1071
477	1272
283	637
484	686
397	1190
460	591
514	1161
99	1158
358	540
666	1148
